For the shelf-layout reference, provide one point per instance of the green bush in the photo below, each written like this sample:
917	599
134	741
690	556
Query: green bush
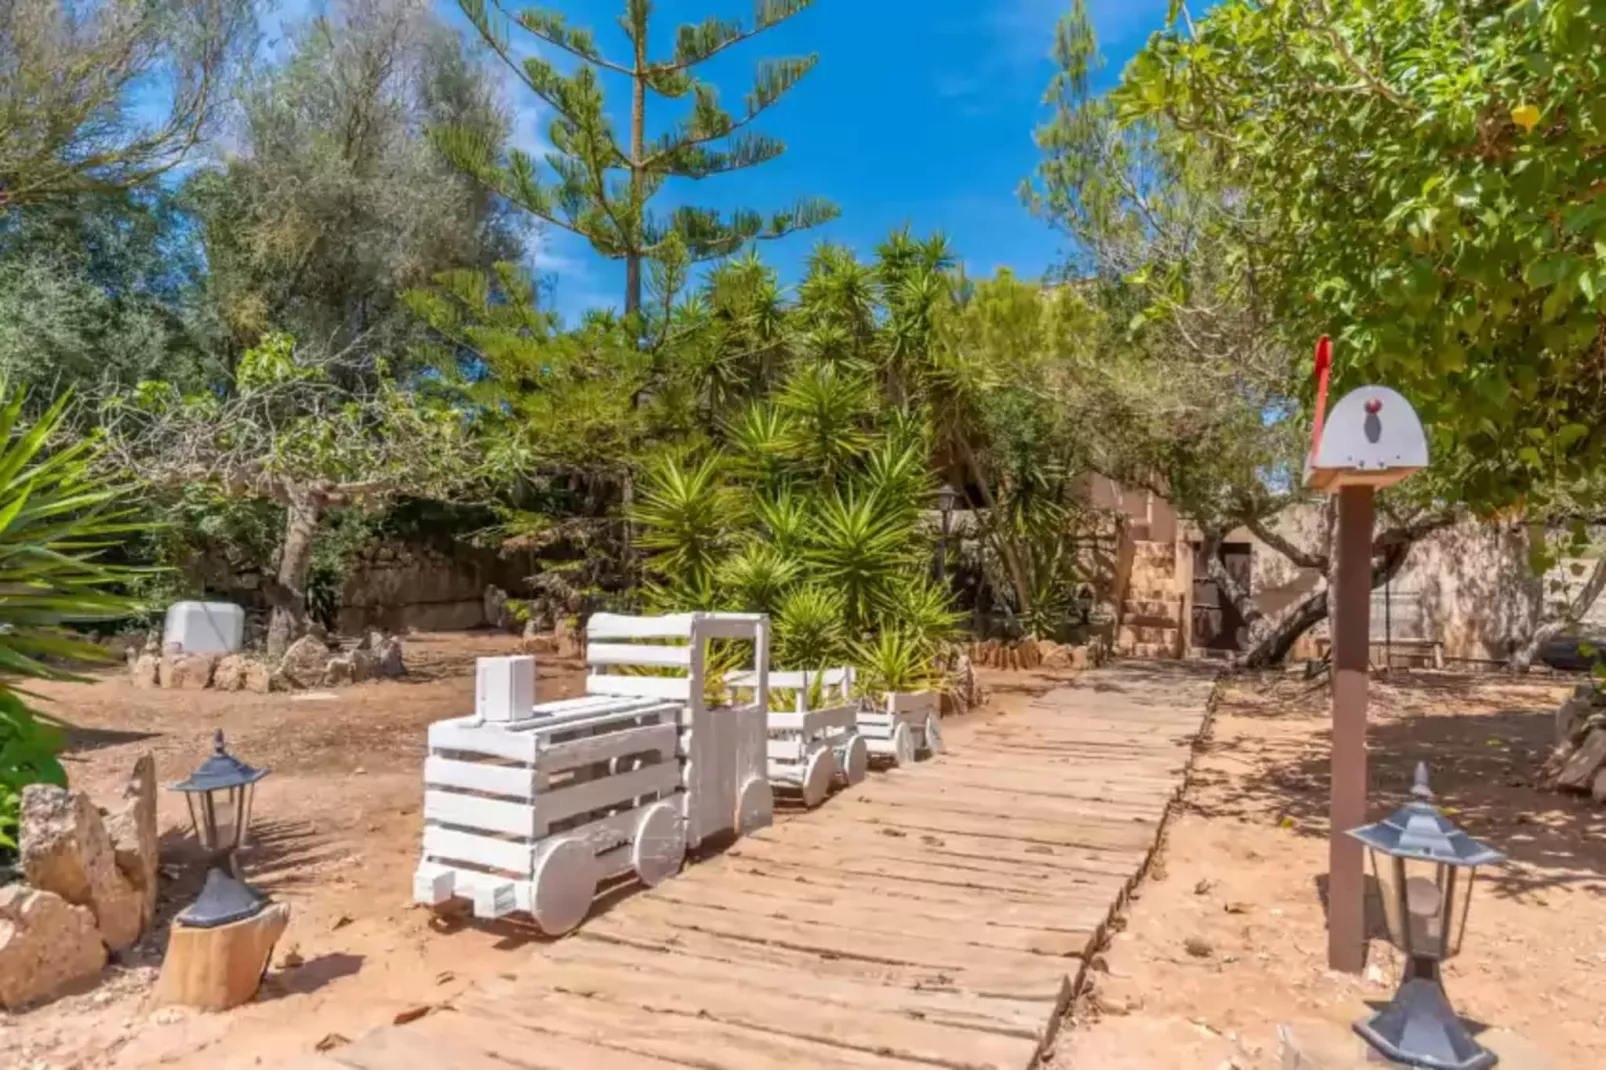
57	517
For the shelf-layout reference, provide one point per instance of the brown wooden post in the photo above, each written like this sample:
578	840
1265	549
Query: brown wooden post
1346	878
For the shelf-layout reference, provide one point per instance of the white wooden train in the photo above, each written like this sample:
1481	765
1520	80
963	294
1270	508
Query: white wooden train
812	747
530	807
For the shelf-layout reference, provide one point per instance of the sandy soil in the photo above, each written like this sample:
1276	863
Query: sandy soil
338	826
337	838
1227	939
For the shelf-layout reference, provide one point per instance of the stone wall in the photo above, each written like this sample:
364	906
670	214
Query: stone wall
393	587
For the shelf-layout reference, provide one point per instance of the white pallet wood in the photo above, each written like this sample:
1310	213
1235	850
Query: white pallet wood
676	688
619	789
663	657
450	845
709	776
662	739
504	688
480	814
618	626
514	781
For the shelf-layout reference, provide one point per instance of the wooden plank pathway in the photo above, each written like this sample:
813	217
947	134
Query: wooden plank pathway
933	916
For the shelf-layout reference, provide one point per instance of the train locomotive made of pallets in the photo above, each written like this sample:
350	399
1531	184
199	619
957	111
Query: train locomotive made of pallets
529	807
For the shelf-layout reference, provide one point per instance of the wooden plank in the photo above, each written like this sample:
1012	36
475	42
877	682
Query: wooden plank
993	906
620	788
1043	982
933	868
514	781
465	735
619	626
1023	1019
923	920
697	1042
1082	832
667	657
447	845
929	796
965	855
475	812
662	739
730	625
513	1044
860	940
867	1029
671	688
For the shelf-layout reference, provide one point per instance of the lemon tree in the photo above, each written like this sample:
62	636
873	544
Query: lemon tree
1428	180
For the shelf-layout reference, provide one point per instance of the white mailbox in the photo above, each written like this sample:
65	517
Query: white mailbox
205	627
1372	438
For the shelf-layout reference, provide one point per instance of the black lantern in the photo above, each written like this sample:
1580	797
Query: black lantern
1424	867
219	796
946	497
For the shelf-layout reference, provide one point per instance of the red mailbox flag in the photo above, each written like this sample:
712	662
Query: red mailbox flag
1324	364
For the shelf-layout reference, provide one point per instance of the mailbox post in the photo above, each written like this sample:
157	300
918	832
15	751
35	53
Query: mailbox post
1371	439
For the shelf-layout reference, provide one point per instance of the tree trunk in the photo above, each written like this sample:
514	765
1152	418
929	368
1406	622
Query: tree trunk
1522	658
295	562
638	153
1311	610
1259	626
1012	565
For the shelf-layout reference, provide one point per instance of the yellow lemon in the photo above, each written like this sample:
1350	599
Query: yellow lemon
1525	116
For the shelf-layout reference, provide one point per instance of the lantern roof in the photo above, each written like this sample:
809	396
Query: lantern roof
1418	830
221	771
223	901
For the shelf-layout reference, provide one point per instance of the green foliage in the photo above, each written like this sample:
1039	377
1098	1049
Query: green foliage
110	94
57	518
895	660
600	185
1427	176
331	201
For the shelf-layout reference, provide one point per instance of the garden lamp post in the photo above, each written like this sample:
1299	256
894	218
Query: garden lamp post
219	795
1371	439
1424	867
946	496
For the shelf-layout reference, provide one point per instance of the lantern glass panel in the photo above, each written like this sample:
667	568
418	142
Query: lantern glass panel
1425	908
1390	874
1459	900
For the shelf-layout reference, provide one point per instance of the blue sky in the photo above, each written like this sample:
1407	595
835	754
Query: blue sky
917	112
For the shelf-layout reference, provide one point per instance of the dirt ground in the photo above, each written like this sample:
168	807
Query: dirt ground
337	837
1226	941
339	827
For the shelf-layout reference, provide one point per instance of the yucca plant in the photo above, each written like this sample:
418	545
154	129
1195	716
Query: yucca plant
783	518
895	660
684	518
56	516
922	609
754	579
862	548
809	629
827	414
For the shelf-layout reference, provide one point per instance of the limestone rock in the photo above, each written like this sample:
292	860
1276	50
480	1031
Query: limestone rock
1579	772
304	663
496	614
66	849
230	673
187	672
364	665
570	642
132	828
1056	655
390	662
143	671
1597	790
46	944
1571	713
258	678
338	670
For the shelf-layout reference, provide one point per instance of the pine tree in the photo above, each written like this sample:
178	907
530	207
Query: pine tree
600	188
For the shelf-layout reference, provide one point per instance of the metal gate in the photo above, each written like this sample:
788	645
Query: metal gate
1217	624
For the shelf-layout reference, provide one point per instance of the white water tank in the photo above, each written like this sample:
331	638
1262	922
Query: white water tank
205	627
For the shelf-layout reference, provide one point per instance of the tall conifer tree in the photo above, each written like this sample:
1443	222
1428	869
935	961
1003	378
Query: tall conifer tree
599	187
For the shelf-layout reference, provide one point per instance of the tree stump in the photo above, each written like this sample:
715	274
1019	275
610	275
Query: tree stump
216	969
